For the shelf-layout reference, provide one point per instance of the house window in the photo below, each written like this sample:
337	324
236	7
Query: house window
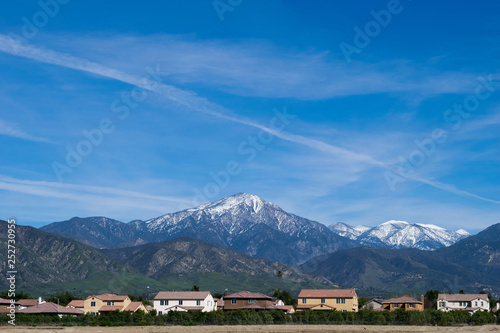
340	300
92	303
411	306
110	303
482	303
233	301
323	300
198	302
160	312
442	304
476	303
395	305
304	300
163	302
180	302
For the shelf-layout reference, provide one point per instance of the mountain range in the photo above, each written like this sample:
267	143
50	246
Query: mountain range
49	263
242	222
401	234
251	225
471	264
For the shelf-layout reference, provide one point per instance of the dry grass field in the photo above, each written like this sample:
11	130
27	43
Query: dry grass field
253	328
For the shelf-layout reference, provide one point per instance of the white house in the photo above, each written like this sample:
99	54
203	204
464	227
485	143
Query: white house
467	302
167	301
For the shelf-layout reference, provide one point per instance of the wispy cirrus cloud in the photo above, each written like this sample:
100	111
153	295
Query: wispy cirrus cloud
193	101
259	68
9	129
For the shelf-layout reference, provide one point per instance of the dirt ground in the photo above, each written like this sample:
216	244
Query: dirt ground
256	328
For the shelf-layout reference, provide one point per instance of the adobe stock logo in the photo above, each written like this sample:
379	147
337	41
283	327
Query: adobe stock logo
248	149
372	29
31	27
426	147
121	107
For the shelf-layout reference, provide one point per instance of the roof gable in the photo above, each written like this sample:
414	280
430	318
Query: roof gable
182	295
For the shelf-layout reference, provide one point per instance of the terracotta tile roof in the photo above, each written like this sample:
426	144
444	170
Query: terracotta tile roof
133	306
76	303
29	302
6	301
51	308
327	293
108	308
184	295
402	299
247	294
110	297
462	297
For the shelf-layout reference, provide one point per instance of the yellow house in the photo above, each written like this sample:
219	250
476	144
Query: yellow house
105	303
328	299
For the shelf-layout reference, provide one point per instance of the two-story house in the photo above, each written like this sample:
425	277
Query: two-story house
404	302
247	300
105	303
328	299
467	302
166	301
6	305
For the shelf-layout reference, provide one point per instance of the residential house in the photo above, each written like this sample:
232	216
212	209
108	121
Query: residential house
49	308
404	302
76	304
136	306
105	303
373	304
248	300
220	303
6	305
166	301
328	299
26	303
468	302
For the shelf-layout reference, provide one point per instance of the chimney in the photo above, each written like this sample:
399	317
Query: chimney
226	292
39	300
498	306
422	300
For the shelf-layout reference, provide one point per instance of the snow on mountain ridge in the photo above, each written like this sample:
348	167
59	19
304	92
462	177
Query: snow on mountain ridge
401	234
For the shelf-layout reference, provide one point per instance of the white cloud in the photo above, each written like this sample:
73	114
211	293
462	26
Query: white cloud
11	130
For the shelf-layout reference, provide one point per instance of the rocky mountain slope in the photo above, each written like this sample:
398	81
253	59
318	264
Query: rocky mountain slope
42	257
191	258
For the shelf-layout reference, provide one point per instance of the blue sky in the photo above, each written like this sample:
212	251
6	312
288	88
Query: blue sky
359	111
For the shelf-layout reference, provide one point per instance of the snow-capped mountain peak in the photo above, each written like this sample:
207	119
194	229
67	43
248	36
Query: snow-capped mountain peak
233	202
463	232
401	234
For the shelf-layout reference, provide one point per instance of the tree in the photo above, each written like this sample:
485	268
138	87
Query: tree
19	295
195	288
142	299
279	274
362	302
285	296
432	295
461	291
63	298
